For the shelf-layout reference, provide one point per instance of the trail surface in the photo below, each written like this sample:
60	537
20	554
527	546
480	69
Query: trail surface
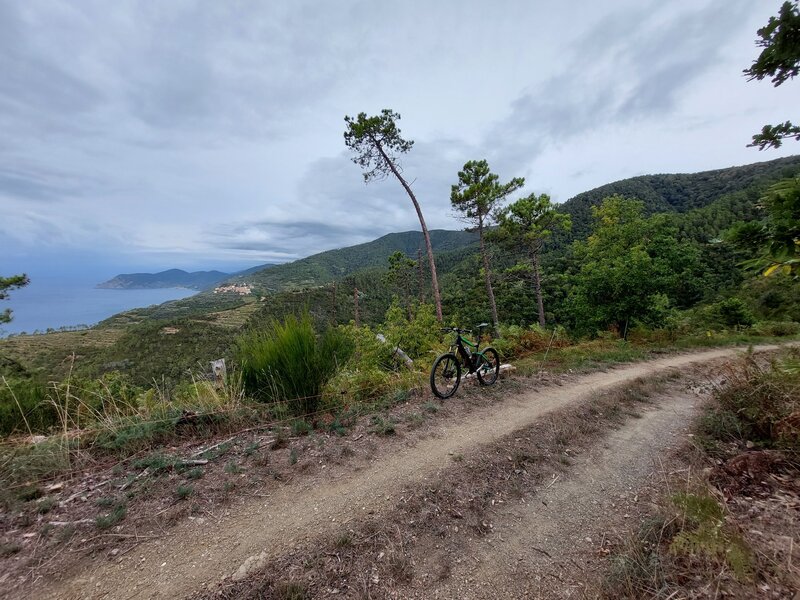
195	555
556	546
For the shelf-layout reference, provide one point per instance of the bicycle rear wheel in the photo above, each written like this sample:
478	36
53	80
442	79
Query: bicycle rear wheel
488	366
445	376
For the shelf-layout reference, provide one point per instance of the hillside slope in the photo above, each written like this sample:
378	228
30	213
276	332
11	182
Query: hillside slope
325	267
681	192
198	280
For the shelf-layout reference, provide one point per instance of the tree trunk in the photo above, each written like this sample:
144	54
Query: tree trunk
420	278
355	306
335	316
487	270
537	285
434	280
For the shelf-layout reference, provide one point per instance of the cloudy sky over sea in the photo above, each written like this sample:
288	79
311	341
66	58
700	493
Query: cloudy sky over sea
203	134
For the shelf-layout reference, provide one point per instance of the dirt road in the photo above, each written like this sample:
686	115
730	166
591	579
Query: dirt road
195	555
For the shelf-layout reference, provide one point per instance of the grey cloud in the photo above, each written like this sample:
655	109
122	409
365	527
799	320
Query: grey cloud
288	238
337	209
29	181
628	67
31	79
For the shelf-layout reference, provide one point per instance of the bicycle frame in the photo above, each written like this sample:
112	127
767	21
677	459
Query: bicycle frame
463	352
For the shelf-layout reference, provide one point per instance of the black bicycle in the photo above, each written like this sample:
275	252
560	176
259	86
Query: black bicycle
446	371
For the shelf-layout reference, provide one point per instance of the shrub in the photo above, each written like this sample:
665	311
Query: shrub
758	405
23	404
732	312
115	516
289	362
516	341
777	328
706	534
419	336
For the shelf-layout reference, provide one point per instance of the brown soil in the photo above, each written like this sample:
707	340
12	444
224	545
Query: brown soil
238	540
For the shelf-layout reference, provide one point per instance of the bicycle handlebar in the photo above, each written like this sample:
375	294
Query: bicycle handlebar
456	330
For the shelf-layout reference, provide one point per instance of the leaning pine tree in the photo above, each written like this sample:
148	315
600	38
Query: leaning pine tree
377	144
476	195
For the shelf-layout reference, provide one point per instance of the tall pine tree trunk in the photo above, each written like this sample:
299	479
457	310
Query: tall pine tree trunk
488	272
434	279
537	285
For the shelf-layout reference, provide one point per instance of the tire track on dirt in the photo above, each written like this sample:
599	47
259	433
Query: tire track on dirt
193	556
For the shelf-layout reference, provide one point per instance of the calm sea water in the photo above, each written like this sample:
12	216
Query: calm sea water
55	304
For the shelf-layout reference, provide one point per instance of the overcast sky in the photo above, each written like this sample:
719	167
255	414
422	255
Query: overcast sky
202	134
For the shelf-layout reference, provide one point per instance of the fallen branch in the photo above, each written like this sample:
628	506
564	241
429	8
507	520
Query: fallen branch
67	523
126	485
215	446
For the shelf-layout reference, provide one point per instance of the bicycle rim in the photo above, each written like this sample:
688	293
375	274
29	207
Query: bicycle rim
445	376
489	369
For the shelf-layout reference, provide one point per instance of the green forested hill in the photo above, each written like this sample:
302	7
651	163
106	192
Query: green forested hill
328	266
684	192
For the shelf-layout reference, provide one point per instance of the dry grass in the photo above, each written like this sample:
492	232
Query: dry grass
379	557
728	528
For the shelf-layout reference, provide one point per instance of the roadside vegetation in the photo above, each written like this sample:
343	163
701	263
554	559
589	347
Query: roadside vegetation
727	529
631	289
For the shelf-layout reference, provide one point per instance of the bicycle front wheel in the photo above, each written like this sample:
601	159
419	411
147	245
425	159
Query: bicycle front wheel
445	376
488	366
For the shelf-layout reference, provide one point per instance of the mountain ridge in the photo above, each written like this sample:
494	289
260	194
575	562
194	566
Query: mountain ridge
171	278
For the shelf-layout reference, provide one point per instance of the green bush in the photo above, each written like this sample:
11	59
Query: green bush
289	362
23	404
419	336
732	312
776	328
516	341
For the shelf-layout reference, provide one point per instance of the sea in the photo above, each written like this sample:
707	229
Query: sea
51	304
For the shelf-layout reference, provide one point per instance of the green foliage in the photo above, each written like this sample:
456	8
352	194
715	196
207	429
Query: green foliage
184	491
133	434
25	463
779	60
531	221
681	193
477	195
780	39
528	223
782	229
416	336
732	312
631	269
479	191
400	276
705	533
376	143
339	264
156	462
289	362
516	341
194	473
8	284
24	405
772	136
382	426
115	516
774	242
777	328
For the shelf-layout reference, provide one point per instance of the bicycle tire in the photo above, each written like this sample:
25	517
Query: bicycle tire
489	366
445	369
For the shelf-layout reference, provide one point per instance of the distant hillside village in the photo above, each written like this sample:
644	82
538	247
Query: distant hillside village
242	289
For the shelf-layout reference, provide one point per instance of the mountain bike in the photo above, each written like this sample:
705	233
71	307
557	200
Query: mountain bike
446	371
